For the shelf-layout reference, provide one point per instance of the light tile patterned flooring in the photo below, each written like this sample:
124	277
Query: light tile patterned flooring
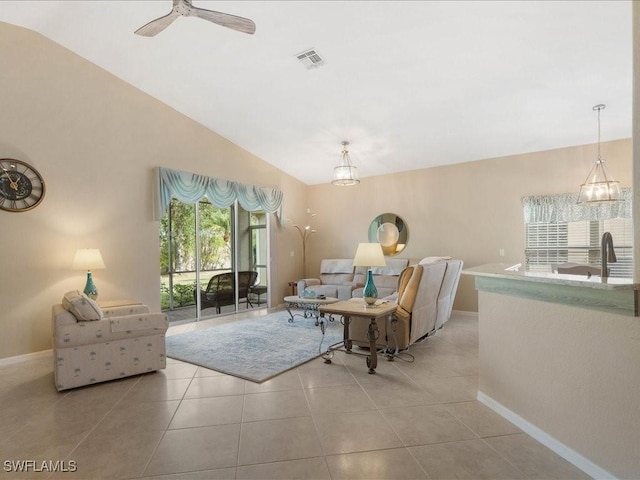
408	421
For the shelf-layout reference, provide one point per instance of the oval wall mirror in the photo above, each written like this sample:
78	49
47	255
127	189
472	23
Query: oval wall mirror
391	232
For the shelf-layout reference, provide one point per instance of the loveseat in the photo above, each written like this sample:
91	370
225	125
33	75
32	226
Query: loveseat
92	345
426	292
340	279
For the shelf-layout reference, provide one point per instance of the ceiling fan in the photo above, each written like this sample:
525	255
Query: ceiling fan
186	9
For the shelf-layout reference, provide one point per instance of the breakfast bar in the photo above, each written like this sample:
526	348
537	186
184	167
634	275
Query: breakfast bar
559	356
608	294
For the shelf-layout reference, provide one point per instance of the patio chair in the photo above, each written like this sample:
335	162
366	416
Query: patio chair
221	290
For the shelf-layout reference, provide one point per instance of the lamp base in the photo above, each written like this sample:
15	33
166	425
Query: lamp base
370	292
90	289
370	301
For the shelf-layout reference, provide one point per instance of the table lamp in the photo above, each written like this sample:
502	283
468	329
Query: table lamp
369	255
88	259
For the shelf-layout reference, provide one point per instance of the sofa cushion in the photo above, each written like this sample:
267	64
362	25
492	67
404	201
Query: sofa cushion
79	334
81	306
393	267
336	265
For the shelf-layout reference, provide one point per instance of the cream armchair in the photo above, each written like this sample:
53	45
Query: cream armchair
92	345
425	301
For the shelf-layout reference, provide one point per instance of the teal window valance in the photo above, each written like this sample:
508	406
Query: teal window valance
565	208
190	188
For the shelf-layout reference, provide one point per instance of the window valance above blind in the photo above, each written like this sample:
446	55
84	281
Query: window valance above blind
565	208
190	188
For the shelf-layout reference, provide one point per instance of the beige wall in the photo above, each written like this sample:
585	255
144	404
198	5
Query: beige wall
573	373
469	210
96	140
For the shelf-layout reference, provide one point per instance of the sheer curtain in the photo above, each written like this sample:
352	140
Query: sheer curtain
564	208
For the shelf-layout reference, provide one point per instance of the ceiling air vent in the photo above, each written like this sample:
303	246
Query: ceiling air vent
310	58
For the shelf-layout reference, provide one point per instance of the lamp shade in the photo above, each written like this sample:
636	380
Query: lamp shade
88	259
369	255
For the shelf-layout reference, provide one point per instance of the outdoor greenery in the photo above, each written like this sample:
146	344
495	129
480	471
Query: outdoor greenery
182	294
178	257
215	228
215	248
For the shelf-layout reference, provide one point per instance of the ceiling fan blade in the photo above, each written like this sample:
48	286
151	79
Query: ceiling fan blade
156	26
240	24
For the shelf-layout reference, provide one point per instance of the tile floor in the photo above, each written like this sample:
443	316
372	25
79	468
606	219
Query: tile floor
415	420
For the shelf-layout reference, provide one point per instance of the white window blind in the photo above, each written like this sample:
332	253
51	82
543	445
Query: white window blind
552	243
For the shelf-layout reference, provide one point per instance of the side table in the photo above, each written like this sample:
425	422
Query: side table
257	291
356	309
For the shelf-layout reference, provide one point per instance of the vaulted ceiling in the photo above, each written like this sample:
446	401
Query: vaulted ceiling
410	84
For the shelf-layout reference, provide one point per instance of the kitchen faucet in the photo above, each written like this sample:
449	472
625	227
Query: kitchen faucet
607	253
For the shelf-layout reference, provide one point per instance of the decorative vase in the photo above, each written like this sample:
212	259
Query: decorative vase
370	292
90	289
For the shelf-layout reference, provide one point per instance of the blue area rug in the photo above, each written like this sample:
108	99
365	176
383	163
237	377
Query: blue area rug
256	349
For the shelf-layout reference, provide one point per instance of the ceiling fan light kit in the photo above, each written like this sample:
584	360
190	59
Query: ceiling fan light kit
184	8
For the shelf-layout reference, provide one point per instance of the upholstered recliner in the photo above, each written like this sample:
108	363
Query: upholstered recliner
92	345
384	278
336	279
425	301
340	279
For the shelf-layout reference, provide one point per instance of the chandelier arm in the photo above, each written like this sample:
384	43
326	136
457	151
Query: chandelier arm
599	107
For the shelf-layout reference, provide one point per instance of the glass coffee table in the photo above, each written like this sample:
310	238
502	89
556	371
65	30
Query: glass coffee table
310	306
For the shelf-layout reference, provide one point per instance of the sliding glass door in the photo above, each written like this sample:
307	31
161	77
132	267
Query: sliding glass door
214	261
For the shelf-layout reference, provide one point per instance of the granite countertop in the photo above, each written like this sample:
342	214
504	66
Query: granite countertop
515	272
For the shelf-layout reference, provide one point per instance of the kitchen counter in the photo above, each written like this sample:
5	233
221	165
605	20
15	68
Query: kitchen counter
615	295
559	357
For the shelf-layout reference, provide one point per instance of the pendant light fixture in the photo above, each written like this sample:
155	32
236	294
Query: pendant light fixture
345	173
599	187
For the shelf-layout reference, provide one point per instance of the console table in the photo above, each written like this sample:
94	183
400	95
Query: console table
357	309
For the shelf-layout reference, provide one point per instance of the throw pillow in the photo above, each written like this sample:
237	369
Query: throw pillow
81	306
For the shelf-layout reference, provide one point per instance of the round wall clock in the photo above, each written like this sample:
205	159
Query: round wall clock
21	186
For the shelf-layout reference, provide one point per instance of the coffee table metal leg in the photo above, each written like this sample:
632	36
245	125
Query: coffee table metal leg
372	336
328	355
290	319
348	344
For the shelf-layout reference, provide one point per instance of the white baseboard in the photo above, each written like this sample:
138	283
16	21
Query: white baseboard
464	313
573	457
24	358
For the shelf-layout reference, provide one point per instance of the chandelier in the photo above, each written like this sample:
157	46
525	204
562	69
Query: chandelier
599	187
345	173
